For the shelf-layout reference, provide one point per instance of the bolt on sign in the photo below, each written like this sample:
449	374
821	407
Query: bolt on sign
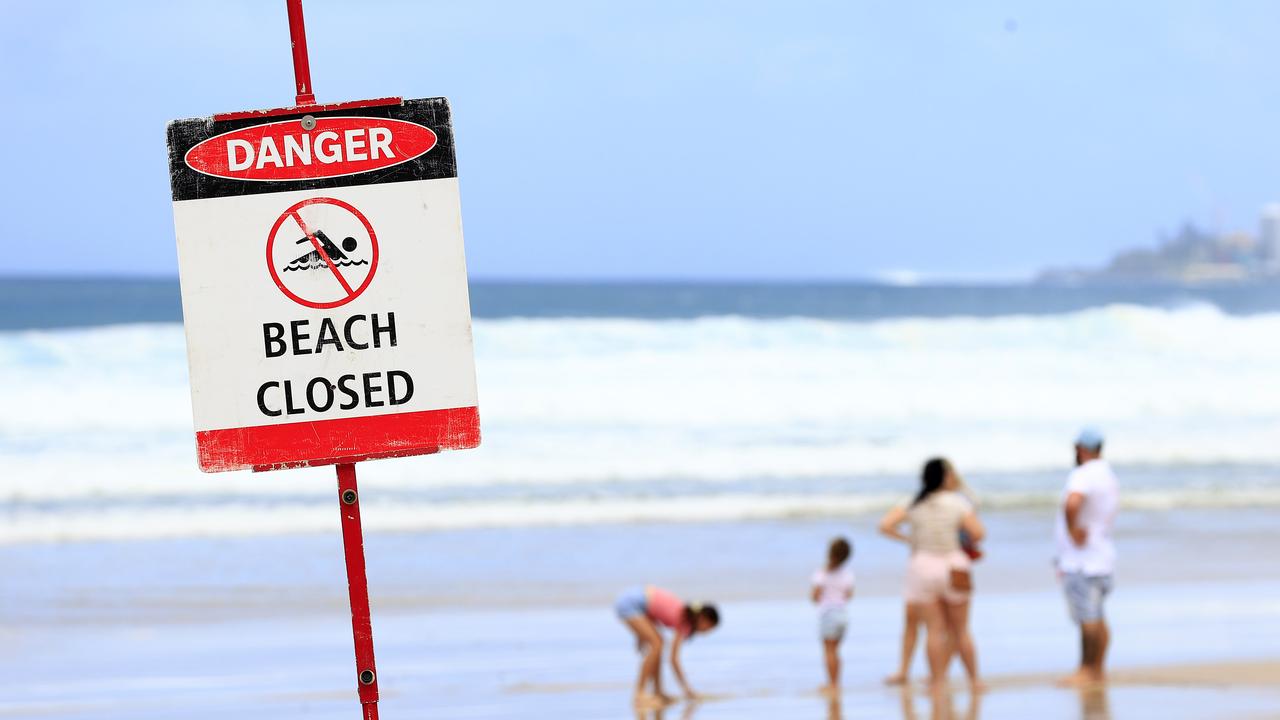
324	287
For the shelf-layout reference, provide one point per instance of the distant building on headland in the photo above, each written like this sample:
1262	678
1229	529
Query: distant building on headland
1269	237
1192	256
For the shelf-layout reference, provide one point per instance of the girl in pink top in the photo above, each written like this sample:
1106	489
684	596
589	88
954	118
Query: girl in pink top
644	610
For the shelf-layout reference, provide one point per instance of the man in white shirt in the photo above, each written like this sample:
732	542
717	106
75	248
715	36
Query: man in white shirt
1086	554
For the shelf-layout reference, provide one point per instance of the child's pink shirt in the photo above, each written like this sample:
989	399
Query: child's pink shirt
666	609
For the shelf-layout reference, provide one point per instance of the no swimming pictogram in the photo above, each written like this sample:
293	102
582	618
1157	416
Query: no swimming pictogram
322	252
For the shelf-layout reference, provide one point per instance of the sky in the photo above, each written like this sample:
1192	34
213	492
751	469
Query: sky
682	139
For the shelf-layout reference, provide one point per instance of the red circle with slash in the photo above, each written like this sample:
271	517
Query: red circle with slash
319	254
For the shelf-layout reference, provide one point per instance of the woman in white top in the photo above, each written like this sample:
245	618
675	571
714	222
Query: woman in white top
938	575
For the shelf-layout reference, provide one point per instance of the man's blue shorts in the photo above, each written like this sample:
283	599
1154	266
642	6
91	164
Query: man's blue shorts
1085	594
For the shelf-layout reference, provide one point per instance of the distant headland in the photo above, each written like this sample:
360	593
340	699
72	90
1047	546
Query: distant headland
1191	256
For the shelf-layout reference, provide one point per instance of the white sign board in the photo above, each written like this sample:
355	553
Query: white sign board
324	287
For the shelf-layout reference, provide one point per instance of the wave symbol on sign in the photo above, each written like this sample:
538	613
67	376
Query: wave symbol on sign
313	261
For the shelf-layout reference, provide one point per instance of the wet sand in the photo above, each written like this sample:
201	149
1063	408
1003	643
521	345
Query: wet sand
546	664
516	623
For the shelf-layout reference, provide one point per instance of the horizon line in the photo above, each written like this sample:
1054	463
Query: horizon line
922	280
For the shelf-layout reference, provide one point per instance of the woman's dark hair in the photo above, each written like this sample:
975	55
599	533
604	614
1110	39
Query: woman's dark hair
839	551
932	478
707	611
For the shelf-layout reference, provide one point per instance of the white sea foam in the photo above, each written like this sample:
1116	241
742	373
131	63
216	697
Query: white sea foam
320	515
104	414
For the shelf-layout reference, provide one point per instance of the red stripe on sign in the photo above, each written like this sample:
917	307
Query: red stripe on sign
347	440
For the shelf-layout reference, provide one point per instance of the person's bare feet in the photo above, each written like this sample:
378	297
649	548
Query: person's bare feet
977	687
897	679
645	701
829	691
1082	679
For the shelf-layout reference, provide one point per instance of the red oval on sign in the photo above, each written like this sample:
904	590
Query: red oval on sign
286	151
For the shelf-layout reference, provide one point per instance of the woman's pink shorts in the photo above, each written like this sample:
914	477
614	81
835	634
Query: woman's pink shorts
929	577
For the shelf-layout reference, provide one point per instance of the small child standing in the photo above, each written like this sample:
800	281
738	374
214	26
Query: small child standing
832	590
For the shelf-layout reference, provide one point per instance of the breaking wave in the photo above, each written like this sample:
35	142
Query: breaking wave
610	420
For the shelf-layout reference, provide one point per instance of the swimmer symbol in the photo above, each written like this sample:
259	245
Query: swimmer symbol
313	261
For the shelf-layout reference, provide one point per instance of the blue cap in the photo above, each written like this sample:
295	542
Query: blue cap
1090	438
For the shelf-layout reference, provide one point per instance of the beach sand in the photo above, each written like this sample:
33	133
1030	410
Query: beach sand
517	623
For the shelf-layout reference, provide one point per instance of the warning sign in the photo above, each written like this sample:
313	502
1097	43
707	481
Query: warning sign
314	270
324	285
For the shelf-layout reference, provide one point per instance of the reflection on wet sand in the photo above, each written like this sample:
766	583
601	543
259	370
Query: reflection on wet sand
684	712
1094	704
942	706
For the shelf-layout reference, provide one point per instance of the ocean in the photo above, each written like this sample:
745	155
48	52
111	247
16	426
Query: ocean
708	438
619	403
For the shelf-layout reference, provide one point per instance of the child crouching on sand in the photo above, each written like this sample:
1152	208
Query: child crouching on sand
832	590
645	608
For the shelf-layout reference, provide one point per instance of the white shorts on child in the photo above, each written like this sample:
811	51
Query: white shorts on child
832	623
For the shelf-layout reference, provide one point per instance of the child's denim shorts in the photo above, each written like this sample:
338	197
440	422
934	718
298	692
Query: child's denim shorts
631	603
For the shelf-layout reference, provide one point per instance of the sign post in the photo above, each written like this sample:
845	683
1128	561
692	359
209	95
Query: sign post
324	293
358	588
301	63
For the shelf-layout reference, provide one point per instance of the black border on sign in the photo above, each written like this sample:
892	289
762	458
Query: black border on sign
432	113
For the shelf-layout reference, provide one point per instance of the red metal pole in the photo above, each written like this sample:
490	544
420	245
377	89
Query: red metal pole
358	587
301	65
348	494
